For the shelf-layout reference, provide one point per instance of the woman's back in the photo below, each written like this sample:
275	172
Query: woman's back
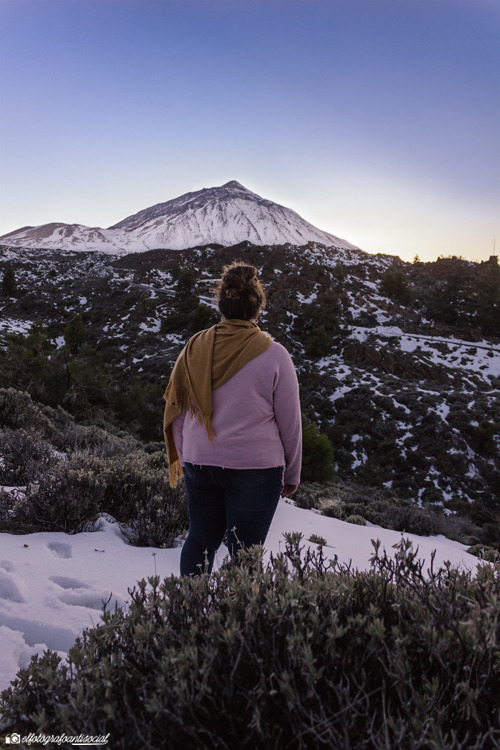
256	419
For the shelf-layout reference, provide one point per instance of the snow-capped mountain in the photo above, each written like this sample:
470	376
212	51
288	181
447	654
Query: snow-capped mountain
223	215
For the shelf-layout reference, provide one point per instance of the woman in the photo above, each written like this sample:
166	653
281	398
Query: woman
232	425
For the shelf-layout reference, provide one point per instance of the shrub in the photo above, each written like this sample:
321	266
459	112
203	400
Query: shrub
334	511
410	519
483	437
300	653
67	499
395	286
133	489
74	334
95	441
309	495
317	455
24	456
319	343
18	410
316	539
157	521
485	553
356	520
201	317
9	283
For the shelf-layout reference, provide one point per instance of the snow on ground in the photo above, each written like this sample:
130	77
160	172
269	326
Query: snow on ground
482	357
151	326
11	325
53	585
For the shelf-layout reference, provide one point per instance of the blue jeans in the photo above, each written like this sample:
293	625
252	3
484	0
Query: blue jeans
237	502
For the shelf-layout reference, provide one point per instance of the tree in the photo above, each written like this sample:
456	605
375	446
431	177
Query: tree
74	334
395	286
317	454
319	343
185	281
9	285
201	317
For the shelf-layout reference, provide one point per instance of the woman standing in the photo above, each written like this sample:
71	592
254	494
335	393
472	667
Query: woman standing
232	425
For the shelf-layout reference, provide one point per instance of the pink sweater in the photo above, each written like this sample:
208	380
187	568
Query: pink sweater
256	418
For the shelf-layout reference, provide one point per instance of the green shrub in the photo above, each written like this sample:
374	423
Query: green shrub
74	334
308	495
299	653
317	455
356	520
201	317
9	283
395	286
319	343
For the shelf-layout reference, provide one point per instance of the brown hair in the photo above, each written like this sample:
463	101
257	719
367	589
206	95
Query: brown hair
239	292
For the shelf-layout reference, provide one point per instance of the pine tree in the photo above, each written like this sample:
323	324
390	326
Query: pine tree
74	334
317	454
9	285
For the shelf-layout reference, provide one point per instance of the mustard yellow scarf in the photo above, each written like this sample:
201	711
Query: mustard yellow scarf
209	359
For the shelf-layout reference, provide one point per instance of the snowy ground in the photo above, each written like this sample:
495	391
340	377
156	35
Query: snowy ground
53	585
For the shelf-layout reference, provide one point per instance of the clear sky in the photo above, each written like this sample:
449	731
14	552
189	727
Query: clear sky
376	120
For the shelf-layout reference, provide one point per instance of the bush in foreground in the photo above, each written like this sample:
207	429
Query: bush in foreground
299	653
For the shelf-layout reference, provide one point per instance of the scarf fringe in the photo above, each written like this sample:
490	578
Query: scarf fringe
184	401
175	473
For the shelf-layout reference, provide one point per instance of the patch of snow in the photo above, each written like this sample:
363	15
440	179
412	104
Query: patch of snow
12	325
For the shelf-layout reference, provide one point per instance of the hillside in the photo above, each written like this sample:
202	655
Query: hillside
399	364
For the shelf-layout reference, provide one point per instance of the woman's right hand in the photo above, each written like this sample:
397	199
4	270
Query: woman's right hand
288	489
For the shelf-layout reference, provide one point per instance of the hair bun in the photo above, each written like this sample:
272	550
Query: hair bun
237	278
239	292
240	274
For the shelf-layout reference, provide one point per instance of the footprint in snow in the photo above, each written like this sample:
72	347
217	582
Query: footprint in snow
79	594
68	583
60	549
9	589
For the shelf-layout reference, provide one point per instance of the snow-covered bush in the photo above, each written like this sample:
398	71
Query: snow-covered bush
297	653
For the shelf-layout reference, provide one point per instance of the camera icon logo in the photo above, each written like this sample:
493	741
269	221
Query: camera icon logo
13	739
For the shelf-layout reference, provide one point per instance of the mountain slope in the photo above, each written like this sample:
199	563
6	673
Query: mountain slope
223	215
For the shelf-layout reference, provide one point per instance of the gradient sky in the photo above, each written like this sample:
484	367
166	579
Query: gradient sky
376	120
